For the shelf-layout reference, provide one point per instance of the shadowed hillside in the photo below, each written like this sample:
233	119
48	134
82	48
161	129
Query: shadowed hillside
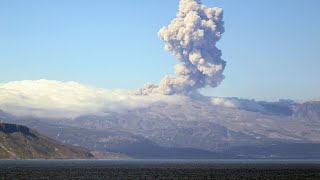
20	142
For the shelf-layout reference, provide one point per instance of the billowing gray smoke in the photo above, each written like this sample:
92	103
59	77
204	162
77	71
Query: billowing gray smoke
192	38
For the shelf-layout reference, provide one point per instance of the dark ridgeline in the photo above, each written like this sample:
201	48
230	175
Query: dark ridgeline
20	142
12	128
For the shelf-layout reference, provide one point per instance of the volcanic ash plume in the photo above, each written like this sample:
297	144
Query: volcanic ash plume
192	38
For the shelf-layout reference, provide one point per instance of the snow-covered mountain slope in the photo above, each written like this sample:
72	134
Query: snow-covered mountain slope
198	124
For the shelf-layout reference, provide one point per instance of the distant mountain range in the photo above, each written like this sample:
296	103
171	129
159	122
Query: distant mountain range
192	129
308	111
20	142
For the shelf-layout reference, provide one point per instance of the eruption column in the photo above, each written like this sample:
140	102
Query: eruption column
192	38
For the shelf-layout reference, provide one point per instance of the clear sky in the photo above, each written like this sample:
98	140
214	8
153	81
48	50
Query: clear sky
271	46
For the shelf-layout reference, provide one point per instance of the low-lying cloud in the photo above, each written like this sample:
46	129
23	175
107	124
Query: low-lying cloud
237	103
282	107
46	98
55	99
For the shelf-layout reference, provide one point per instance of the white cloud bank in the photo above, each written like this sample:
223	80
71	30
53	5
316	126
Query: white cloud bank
237	103
47	98
55	99
281	107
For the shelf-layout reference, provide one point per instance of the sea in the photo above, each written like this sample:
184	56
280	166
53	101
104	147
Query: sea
219	169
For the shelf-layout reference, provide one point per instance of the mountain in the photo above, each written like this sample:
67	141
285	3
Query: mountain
112	144
308	111
189	128
200	125
20	142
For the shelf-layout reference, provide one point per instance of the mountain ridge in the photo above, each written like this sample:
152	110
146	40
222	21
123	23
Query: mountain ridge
308	110
192	127
20	142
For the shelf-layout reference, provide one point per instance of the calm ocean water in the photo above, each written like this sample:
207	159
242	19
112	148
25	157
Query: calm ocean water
160	169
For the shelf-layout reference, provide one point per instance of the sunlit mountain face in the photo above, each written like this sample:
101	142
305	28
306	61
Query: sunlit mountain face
199	126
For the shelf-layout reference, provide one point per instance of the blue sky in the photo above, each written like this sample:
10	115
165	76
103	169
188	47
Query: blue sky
271	46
